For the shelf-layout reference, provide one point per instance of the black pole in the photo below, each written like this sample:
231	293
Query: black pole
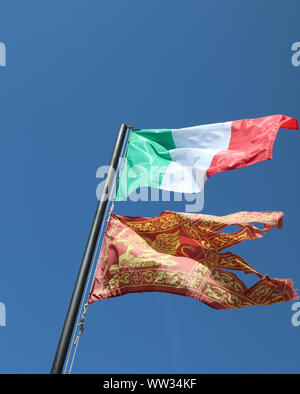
66	334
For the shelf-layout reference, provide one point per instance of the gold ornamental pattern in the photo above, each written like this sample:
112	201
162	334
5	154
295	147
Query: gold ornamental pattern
180	253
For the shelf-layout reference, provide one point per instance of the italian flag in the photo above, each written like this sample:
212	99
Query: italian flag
180	160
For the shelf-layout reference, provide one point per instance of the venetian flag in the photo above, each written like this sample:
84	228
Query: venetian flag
180	160
183	254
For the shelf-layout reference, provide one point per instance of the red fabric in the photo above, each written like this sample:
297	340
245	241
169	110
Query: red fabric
180	253
251	141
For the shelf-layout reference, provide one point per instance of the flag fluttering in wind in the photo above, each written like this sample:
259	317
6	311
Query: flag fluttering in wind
179	253
181	160
183	254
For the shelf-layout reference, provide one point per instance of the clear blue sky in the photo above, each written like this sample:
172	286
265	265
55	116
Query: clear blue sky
75	71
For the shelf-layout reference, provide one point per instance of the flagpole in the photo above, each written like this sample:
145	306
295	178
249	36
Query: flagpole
70	319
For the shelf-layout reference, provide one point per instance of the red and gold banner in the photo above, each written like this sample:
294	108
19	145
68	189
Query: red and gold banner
181	253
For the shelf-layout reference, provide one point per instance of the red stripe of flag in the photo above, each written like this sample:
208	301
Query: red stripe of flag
251	141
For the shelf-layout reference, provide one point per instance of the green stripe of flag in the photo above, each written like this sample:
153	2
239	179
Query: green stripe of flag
147	150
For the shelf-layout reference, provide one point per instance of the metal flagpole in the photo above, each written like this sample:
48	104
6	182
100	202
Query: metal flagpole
68	327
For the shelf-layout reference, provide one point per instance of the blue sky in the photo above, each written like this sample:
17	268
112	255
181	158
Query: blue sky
74	71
